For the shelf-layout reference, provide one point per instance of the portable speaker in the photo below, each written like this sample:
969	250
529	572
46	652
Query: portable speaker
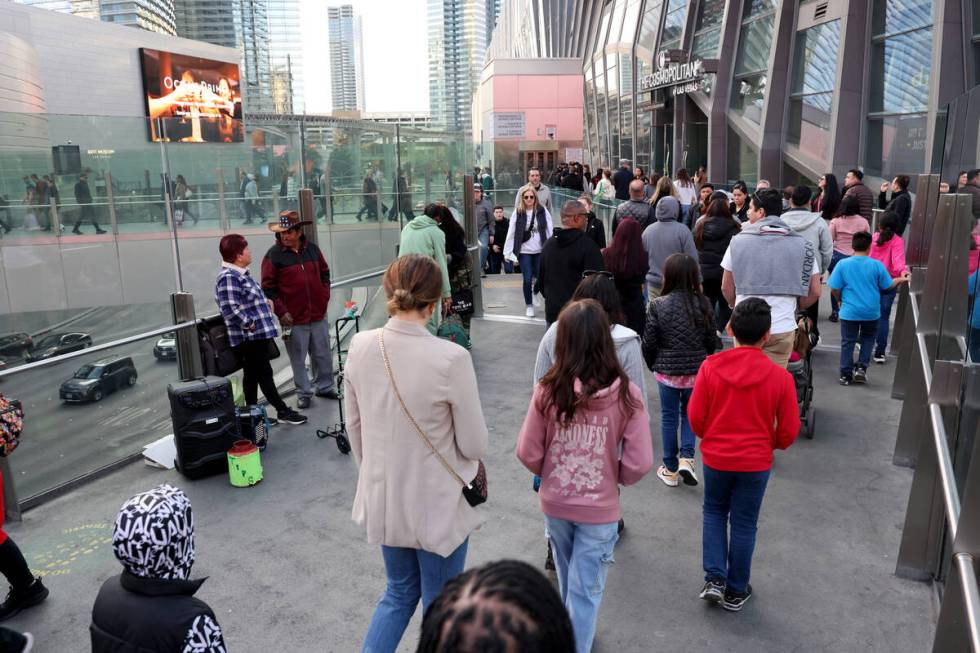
253	425
205	428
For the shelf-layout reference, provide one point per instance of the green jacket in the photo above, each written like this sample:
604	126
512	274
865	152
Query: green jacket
423	236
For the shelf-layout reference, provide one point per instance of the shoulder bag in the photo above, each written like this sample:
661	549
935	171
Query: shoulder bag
475	492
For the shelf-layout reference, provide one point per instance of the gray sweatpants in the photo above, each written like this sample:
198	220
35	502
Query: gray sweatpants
313	340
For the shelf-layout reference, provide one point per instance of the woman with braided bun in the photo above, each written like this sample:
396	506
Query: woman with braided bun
505	606
413	415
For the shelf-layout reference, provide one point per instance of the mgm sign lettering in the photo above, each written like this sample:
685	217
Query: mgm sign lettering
680	77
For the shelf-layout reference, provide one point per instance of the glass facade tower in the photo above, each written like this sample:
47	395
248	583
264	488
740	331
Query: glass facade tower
152	15
346	58
458	40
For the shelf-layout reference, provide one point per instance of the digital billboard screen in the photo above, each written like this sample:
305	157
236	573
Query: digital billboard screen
196	100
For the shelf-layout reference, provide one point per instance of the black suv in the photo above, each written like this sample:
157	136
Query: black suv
16	345
55	344
93	381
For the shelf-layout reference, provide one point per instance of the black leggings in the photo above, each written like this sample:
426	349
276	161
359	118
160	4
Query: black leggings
14	567
257	373
719	305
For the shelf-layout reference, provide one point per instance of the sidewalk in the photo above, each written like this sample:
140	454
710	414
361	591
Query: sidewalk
290	571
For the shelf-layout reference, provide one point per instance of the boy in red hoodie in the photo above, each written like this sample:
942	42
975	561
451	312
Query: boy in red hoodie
743	406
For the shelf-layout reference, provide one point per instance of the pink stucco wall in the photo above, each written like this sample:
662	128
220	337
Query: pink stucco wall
544	99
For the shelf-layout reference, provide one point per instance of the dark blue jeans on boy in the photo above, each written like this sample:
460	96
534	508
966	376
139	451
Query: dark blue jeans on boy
881	339
853	332
732	501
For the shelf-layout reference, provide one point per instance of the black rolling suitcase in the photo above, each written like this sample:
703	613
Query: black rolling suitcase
205	426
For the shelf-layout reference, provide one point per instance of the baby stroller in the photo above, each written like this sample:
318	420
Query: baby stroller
801	367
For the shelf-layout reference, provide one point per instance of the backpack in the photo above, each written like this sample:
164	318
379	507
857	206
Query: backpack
11	425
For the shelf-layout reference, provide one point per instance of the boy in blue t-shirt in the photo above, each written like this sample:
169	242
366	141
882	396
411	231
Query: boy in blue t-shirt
857	282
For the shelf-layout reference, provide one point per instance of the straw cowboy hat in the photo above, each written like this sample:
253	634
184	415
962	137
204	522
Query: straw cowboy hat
287	220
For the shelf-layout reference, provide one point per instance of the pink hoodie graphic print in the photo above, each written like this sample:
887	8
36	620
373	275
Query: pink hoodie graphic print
579	463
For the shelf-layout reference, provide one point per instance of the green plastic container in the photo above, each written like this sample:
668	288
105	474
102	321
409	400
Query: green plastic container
244	464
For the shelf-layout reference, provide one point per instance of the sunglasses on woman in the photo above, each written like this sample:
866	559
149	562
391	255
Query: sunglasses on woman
529	197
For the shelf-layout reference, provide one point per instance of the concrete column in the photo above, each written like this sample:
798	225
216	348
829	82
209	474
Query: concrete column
847	127
721	93
777	90
189	363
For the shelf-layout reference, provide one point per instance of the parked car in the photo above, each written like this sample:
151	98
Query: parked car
93	381
166	347
55	344
16	345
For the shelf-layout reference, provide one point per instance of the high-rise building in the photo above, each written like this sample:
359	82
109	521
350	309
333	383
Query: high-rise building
458	39
152	15
346	58
239	24
286	56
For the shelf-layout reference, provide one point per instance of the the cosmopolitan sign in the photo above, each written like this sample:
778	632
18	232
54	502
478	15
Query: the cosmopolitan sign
683	77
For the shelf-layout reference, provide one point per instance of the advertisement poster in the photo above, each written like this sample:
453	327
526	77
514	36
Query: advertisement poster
197	100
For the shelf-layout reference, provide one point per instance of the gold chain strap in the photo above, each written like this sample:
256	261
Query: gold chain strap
418	429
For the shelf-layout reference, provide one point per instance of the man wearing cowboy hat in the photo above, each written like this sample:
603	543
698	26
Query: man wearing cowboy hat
295	276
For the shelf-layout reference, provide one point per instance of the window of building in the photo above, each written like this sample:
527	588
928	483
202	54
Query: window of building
812	90
901	63
646	43
976	42
752	59
644	142
707	31
674	19
602	126
612	99
743	160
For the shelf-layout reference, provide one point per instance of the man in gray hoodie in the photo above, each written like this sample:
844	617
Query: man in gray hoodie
664	237
814	228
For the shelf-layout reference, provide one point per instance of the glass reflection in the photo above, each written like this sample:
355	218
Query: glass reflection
900	72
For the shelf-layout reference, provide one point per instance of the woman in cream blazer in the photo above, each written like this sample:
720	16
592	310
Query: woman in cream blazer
406	500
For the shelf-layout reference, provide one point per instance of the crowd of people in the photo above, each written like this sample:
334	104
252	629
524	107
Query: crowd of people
682	270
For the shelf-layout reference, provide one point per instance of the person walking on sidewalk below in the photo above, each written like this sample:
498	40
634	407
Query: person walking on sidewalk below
413	414
769	260
743	407
296	277
565	258
530	228
679	335
83	197
664	237
584	412
842	229
151	605
889	248
248	316
858	283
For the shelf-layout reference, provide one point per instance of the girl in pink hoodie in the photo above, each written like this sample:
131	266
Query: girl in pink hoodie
584	411
845	224
889	248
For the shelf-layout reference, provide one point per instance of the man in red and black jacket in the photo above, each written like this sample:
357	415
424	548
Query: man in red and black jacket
296	278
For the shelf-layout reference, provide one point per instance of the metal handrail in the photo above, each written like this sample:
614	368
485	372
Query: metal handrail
96	348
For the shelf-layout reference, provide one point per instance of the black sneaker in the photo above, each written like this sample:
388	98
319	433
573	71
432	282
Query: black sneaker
846	379
14	642
713	592
834	317
860	375
734	601
328	394
290	416
620	527
18	600
549	562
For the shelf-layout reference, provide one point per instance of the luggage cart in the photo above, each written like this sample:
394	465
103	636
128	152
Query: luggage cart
339	431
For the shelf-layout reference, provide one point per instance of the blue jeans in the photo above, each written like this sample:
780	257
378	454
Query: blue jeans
852	332
530	267
484	250
731	498
881	339
583	554
835	258
673	409
412	573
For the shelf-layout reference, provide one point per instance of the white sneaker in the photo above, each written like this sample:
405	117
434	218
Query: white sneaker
529	311
685	467
669	478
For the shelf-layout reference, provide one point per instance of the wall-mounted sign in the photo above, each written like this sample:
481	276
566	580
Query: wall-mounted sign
508	125
684	77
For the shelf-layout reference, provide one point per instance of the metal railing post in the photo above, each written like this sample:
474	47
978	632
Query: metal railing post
327	191
189	364
469	218
222	208
307	211
110	201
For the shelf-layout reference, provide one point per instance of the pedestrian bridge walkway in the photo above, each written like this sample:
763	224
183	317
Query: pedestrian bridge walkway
290	571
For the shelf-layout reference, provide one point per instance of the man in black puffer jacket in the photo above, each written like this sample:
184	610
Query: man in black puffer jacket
151	605
566	255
